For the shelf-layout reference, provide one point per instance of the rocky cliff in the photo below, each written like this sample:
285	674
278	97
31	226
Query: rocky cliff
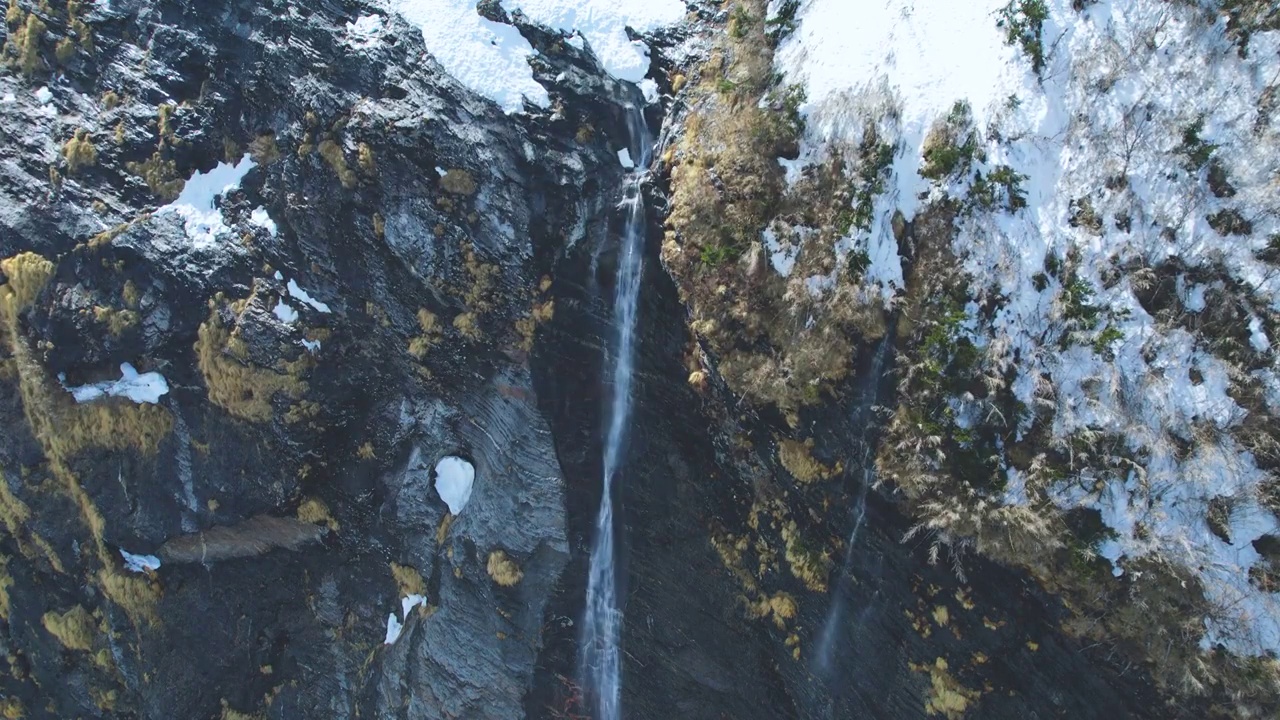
266	263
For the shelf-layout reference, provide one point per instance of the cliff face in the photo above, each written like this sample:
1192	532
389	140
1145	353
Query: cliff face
328	265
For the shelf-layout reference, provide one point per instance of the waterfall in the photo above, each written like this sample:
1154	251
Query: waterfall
602	627
862	419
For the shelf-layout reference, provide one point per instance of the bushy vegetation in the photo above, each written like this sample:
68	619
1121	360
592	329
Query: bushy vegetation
1023	23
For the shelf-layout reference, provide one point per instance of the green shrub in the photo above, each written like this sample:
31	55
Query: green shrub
1023	23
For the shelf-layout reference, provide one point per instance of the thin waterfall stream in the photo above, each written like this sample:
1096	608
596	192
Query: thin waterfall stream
864	420
600	651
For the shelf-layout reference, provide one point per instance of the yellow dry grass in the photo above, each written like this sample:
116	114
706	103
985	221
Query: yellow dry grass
503	569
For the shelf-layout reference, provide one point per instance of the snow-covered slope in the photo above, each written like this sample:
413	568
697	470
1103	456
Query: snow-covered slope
492	58
1113	145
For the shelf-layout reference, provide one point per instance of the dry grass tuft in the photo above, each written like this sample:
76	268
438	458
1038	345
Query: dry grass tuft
797	458
314	511
503	569
75	628
263	149
458	182
160	174
332	154
409	580
79	152
243	390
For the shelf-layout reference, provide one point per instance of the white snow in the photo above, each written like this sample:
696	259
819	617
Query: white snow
441	171
649	88
409	602
454	477
1257	336
781	256
624	157
394	628
489	58
395	625
286	314
301	295
140	563
144	388
492	59
260	218
311	346
43	95
366	31
278	276
195	204
8	98
1121	84
603	24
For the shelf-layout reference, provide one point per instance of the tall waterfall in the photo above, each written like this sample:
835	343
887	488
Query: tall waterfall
863	420
601	664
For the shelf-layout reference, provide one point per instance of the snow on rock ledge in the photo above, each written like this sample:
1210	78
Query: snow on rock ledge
454	477
604	23
492	59
144	388
195	204
139	563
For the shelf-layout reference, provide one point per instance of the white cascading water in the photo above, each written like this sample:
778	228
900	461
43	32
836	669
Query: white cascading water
602	627
867	399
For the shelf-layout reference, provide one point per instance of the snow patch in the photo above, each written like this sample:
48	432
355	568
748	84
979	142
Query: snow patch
1107	119
286	314
454	477
43	95
489	58
366	31
144	388
624	157
196	203
604	23
394	628
260	218
139	563
650	90
301	295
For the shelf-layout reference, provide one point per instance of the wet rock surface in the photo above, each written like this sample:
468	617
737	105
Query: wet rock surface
465	259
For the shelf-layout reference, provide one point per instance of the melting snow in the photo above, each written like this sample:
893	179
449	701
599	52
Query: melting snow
394	628
287	315
454	477
299	294
260	218
201	216
624	157
366	31
140	563
650	89
394	624
1121	84
312	346
604	23
44	96
492	59
144	388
